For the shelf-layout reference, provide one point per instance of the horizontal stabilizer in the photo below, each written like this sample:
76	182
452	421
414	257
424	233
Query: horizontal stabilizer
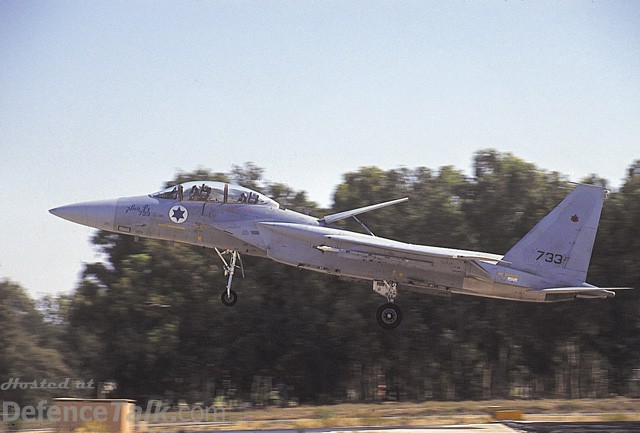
349	213
585	292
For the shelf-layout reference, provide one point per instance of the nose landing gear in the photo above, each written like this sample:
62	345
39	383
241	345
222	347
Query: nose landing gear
229	297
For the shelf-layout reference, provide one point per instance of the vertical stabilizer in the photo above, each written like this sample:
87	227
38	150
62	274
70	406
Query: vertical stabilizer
559	247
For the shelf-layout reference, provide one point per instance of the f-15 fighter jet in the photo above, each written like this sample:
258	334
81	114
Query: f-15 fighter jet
548	264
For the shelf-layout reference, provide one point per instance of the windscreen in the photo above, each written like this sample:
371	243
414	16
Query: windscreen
217	192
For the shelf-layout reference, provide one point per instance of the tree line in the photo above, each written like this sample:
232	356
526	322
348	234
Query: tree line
149	317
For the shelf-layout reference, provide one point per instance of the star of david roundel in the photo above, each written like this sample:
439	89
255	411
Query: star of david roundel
178	214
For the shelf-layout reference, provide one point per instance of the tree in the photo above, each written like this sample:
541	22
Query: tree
506	199
149	317
29	351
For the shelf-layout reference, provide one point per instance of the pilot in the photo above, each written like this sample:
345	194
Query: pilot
242	198
193	193
205	191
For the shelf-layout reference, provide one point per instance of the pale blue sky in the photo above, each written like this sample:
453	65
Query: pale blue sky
106	99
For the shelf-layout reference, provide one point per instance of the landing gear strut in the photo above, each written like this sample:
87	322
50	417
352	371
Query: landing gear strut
229	297
388	315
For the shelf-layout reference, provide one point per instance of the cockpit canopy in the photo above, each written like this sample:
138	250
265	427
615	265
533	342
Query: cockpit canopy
216	192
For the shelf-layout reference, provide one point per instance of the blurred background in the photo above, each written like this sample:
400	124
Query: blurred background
147	318
479	112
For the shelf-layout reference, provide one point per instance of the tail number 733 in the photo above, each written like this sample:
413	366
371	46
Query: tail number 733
550	257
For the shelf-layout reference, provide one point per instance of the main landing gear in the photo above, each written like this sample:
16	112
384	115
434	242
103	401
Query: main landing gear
388	315
229	297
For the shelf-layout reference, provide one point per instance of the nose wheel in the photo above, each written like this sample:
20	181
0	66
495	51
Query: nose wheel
229	298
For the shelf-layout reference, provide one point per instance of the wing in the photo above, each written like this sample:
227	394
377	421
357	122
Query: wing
356	245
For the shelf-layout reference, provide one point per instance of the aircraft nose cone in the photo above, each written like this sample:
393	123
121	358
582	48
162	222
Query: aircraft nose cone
76	213
98	214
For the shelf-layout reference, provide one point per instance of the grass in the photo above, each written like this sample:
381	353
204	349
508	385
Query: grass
427	413
412	414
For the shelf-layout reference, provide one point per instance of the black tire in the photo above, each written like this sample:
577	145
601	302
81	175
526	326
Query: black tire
231	300
389	316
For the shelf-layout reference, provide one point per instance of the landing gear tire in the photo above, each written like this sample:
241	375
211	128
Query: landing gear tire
229	300
389	316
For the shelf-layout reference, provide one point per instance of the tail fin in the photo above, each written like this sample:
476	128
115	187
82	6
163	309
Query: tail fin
559	247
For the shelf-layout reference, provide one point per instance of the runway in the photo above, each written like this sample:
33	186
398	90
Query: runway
579	427
509	427
475	428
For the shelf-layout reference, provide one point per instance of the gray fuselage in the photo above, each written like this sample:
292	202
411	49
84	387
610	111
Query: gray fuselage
293	238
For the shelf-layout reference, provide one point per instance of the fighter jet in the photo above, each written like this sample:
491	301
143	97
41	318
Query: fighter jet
548	264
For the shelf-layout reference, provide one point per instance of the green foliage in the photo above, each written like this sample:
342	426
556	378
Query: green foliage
507	198
30	346
150	316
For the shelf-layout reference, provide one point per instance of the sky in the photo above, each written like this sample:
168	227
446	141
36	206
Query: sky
102	99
